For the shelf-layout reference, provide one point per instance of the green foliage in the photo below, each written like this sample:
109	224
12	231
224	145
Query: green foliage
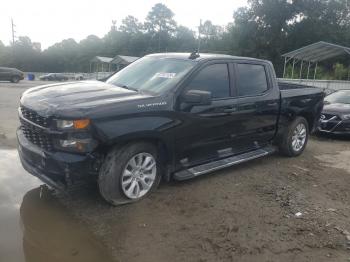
160	20
263	29
130	25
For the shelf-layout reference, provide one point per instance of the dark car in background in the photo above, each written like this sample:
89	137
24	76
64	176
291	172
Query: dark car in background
54	77
11	74
335	117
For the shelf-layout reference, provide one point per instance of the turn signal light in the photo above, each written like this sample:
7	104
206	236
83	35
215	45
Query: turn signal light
81	124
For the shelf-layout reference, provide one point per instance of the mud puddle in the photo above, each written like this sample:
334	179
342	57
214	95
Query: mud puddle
34	228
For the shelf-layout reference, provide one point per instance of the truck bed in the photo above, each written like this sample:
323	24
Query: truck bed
286	85
289	90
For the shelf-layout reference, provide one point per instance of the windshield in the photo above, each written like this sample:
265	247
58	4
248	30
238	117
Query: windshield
342	97
152	74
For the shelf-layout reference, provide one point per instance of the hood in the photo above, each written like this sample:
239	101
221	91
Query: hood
336	109
76	98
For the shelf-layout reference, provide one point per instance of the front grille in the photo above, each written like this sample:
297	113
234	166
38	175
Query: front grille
38	138
329	121
330	116
35	117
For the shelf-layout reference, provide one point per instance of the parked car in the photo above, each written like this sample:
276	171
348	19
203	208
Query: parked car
54	77
11	74
335	117
169	116
104	79
79	77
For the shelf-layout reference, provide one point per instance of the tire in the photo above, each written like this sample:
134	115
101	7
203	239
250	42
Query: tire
15	79
115	170
293	143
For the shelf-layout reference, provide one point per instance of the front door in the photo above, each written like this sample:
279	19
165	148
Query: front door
204	129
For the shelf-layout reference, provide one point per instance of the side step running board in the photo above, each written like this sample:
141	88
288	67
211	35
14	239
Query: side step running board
219	164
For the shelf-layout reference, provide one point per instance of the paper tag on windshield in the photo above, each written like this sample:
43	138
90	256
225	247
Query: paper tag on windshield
164	75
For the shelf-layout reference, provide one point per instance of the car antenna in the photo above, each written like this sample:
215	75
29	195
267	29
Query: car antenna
194	55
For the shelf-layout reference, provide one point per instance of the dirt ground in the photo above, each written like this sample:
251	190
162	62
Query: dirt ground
270	209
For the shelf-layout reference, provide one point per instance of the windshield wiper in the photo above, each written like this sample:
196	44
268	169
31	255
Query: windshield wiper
127	87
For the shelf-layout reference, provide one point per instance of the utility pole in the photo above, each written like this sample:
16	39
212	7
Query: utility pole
13	31
199	35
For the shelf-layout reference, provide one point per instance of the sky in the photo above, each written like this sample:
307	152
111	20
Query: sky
49	22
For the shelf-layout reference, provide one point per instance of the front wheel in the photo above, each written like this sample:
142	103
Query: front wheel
129	173
295	139
15	79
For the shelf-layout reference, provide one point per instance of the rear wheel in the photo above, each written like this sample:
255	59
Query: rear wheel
15	79
295	139
129	173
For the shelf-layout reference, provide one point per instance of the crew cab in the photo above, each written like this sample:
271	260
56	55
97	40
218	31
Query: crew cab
165	116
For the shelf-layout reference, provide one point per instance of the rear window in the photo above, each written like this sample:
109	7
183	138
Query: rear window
251	79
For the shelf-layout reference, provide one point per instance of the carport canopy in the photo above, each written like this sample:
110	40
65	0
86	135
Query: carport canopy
123	59
314	53
101	59
101	62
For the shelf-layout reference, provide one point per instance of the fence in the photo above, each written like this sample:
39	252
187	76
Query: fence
96	75
325	84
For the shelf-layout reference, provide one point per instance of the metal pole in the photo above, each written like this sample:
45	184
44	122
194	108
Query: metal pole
301	69
308	70
293	68
315	70
13	31
199	35
284	68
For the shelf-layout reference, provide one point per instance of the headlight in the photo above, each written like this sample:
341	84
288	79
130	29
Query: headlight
73	124
346	117
80	145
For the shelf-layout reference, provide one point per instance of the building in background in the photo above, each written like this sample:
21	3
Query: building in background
109	64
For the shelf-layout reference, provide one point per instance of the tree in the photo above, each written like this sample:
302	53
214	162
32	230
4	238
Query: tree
160	19
160	23
263	29
130	25
208	29
184	40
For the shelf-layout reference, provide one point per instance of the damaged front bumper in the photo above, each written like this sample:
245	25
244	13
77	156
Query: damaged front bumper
56	169
337	127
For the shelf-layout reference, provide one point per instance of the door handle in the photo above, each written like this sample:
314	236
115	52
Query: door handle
272	104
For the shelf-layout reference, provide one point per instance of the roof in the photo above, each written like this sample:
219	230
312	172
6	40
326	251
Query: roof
102	59
318	52
123	59
10	68
203	56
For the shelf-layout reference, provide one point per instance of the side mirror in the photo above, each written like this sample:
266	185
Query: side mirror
196	97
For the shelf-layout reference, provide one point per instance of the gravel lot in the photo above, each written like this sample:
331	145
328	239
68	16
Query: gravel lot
270	209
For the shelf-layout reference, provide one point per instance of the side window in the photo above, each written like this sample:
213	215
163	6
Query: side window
213	78
251	79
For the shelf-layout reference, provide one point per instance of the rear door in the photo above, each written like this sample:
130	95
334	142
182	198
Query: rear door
3	74
257	104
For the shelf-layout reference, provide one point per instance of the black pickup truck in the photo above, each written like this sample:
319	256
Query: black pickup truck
170	116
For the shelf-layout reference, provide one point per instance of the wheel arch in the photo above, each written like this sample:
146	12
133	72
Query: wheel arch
309	117
164	149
